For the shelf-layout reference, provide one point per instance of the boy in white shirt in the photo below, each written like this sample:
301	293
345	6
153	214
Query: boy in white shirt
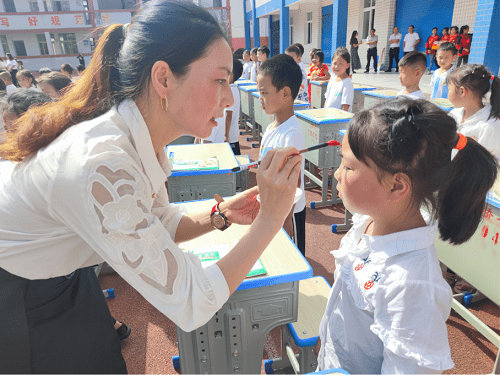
445	55
278	82
411	69
294	52
247	67
9	86
231	114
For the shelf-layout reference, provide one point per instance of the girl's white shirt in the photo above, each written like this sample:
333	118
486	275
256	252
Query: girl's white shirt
97	193
389	304
486	131
247	67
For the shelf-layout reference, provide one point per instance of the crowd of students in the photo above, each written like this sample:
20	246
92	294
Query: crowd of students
84	176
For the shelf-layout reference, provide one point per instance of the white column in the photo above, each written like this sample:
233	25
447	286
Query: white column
41	8
49	42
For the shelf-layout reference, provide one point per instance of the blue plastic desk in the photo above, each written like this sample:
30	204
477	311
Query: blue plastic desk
376	97
443	103
233	340
202	184
244	82
359	98
318	91
247	108
319	126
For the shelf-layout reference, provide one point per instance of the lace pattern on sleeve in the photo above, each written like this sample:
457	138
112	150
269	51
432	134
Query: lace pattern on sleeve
120	202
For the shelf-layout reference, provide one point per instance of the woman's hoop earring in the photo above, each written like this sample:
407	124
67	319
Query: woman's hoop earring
164	103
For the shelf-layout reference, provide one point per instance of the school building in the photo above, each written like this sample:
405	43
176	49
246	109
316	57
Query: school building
328	24
49	33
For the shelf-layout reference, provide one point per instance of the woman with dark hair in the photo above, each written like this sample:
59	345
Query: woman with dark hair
89	187
12	68
355	61
18	103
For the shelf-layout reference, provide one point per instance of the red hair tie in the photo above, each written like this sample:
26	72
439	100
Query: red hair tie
462	141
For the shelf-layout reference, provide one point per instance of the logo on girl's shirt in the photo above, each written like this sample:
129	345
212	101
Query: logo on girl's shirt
361	265
374	278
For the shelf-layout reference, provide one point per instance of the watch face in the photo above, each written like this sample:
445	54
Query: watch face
217	221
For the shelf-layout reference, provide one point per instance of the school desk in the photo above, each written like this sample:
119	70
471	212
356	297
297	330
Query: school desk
243	82
263	119
442	103
478	262
319	126
359	99
318	91
376	97
202	183
233	340
248	109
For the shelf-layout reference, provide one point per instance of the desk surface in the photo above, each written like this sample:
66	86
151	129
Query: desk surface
359	87
296	102
325	115
443	103
319	83
249	88
244	82
223	151
282	260
385	94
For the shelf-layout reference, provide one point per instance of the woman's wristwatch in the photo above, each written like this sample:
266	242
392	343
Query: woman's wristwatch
218	219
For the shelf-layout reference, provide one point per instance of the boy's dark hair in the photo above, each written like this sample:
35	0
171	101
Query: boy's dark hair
373	30
314	50
412	27
477	79
414	60
254	51
80	68
344	53
455	27
237	69
435	28
446	28
320	55
284	71
67	68
300	47
447	46
58	80
264	50
246	52
44	71
293	49
416	138
238	54
20	101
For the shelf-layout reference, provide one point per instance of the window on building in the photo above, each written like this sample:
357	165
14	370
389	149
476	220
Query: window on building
67	42
9	6
368	17
309	28
42	44
92	44
19	47
56	6
217	3
5	45
34	6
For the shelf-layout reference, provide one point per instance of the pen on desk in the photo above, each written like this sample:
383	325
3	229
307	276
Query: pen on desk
312	148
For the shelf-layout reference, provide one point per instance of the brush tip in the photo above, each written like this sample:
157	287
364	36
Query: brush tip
334	143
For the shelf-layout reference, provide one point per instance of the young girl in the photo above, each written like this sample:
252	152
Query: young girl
253	69
389	304
463	46
355	61
27	80
340	91
319	71
446	36
467	88
311	57
453	34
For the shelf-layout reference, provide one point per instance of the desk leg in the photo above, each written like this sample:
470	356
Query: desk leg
233	340
346	225
324	188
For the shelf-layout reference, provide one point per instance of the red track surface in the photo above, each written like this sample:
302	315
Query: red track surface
150	347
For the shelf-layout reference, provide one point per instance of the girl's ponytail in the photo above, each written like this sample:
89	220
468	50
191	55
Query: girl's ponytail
461	203
495	98
89	98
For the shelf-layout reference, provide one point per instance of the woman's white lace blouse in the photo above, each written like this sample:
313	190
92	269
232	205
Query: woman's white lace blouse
388	307
98	193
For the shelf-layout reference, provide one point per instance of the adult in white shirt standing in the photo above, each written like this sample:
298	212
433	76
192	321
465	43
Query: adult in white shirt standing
89	187
394	42
371	41
410	41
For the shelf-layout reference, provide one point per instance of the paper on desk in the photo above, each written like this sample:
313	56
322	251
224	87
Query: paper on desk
211	254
